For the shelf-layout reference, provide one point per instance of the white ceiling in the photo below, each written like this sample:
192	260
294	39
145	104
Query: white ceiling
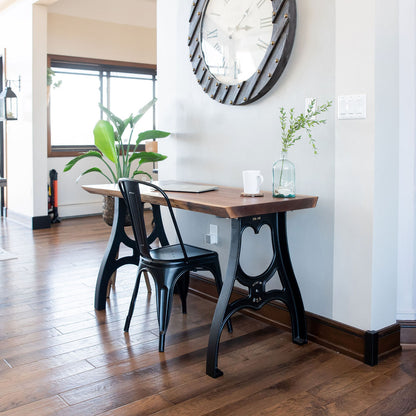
129	12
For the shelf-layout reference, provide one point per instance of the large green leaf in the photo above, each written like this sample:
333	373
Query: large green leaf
119	124
94	170
141	172
104	139
145	157
72	162
128	120
142	111
151	134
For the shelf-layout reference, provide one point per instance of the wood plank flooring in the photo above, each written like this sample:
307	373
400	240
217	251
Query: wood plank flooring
58	356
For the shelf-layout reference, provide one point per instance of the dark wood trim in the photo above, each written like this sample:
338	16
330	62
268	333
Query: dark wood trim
371	347
366	346
41	222
109	62
407	332
73	153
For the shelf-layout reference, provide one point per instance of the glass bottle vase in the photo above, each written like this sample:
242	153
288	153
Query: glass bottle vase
284	178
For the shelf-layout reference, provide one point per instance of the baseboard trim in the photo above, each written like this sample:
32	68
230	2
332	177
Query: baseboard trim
407	332
35	223
366	346
42	222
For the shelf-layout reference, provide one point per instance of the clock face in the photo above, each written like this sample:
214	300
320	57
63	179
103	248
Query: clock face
235	36
239	48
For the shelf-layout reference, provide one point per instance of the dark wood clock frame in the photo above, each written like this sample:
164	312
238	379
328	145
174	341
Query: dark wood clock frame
270	69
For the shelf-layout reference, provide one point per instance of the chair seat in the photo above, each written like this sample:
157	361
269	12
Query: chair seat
175	253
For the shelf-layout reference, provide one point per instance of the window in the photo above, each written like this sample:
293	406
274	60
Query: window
73	106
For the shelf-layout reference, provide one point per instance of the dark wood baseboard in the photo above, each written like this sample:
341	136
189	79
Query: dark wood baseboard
42	222
407	332
366	346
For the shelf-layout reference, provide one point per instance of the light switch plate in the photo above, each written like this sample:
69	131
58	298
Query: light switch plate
352	106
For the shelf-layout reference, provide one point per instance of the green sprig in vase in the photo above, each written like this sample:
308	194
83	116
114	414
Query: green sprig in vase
284	181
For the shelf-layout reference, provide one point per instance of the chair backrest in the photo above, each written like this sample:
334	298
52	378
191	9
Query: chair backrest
130	189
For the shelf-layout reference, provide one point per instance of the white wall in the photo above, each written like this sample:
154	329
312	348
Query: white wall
386	158
366	160
25	170
100	40
354	165
406	290
215	142
39	127
346	270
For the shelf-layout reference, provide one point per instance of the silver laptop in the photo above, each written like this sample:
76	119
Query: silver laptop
177	186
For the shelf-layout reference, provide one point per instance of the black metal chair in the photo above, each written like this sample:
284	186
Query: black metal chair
167	264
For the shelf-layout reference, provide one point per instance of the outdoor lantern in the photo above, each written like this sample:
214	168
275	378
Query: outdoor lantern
8	103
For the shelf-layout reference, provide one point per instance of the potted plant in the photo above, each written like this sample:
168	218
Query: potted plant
121	159
283	169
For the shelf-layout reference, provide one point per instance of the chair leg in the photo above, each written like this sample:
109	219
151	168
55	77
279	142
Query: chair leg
132	302
146	279
162	336
183	285
164	306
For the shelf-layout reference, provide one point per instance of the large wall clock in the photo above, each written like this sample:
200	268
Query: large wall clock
239	48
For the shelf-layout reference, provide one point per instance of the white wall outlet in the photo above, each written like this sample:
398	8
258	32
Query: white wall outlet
212	237
308	102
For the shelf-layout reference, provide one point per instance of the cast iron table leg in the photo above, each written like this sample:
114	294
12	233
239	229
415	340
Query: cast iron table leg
220	314
287	276
258	296
110	263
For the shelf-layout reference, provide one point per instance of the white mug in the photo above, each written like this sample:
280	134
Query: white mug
252	180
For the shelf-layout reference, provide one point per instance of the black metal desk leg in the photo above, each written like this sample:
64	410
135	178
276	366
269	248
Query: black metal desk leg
257	294
220	314
288	279
110	263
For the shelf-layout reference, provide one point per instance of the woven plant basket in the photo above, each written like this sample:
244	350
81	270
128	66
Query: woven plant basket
108	211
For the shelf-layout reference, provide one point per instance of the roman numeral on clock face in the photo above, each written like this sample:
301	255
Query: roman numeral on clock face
217	47
212	34
262	44
265	22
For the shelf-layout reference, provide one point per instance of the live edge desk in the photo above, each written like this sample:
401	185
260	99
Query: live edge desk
244	212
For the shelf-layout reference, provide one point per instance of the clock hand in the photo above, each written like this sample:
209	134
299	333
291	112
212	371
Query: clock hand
246	27
246	13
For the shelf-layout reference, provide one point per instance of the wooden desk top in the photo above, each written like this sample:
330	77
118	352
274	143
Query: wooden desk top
224	202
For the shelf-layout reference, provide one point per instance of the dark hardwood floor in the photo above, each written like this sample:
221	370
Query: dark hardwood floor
58	356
